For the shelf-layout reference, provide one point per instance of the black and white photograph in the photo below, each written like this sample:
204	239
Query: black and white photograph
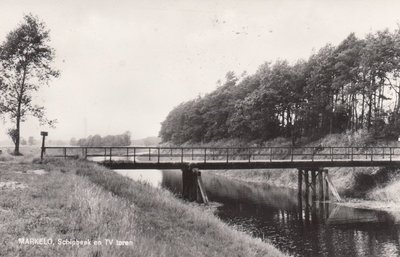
190	128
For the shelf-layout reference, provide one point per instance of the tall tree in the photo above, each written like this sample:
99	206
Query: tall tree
319	92
348	80
25	66
346	87
380	59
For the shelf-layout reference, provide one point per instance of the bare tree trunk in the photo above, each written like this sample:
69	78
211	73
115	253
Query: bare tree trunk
372	103
382	96
378	104
362	110
398	102
331	115
18	116
355	113
18	121
288	122
350	121
18	124
376	111
369	111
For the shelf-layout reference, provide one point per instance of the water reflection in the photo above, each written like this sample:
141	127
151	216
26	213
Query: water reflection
296	225
153	177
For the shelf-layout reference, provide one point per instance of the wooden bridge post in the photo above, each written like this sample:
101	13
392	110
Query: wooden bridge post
307	196
201	191
332	187
317	191
321	185
307	184
326	185
314	195
313	185
300	184
192	185
186	182
300	195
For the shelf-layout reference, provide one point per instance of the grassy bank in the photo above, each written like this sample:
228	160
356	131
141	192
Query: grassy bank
76	200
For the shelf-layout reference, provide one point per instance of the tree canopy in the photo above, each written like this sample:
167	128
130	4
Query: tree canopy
109	140
346	87
25	66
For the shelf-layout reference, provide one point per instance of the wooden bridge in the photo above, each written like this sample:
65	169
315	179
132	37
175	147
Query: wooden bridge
311	162
232	157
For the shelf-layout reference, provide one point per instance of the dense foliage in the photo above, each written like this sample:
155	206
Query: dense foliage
110	140
346	87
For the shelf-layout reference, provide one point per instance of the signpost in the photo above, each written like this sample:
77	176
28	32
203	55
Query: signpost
43	134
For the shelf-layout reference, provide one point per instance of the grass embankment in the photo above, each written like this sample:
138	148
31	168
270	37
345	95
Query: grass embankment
76	200
382	184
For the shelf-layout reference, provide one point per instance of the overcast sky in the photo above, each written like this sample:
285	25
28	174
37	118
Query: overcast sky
125	64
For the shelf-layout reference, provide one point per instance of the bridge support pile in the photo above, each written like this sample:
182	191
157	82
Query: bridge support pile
318	181
192	185
316	186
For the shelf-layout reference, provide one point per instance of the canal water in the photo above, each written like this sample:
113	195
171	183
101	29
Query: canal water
274	214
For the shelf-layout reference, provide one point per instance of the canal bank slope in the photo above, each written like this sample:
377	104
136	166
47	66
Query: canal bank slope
55	208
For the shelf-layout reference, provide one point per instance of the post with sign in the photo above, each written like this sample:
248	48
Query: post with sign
43	134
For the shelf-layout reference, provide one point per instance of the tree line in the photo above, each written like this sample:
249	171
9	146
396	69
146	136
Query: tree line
354	85
109	140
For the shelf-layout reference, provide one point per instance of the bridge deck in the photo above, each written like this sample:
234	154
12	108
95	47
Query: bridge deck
232	157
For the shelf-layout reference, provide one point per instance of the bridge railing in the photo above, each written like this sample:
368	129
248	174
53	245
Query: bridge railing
225	154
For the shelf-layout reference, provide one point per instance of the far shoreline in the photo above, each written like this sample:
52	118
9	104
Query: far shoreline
379	205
